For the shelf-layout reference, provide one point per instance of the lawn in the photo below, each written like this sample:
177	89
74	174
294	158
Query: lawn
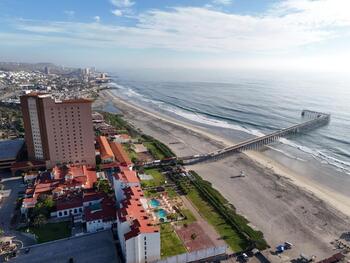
158	178
131	153
190	218
51	231
170	243
153	149
231	237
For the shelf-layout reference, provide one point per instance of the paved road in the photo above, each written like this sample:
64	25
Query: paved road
7	207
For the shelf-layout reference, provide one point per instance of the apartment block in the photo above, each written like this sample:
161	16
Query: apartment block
58	132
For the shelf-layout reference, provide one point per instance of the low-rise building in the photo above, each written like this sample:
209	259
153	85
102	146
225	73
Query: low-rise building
69	206
139	237
100	215
122	138
122	180
106	152
120	155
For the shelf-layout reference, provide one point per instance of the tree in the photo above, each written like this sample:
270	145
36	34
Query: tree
103	186
44	206
39	220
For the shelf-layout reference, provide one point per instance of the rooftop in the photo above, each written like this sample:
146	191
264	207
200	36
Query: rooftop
120	154
68	202
9	149
105	148
106	211
127	176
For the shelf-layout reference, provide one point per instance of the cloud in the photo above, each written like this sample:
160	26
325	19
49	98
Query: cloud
222	2
97	19
117	12
123	7
122	3
288	25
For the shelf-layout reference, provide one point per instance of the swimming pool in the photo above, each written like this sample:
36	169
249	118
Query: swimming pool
154	203
161	214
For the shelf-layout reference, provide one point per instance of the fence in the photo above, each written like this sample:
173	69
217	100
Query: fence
195	255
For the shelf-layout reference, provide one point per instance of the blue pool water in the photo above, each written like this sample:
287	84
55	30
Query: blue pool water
161	213
154	203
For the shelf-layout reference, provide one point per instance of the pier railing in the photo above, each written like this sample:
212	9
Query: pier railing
315	120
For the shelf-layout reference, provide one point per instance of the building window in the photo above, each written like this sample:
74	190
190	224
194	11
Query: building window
59	213
65	213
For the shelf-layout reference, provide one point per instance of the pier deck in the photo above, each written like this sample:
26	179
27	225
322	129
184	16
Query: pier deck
315	120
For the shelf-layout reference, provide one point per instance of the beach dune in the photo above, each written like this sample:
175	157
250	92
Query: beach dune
283	205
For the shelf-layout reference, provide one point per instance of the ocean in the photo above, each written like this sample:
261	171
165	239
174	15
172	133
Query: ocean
242	106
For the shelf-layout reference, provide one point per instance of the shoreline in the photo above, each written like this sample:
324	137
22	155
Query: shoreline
270	194
341	202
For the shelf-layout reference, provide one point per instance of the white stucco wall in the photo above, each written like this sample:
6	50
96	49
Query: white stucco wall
70	211
143	248
97	225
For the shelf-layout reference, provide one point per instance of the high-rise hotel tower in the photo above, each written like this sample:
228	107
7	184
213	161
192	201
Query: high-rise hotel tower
58	132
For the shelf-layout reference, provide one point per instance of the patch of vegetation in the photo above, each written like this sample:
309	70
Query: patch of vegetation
233	228
51	231
119	123
102	185
151	193
158	150
43	207
170	243
158	178
189	217
171	192
130	151
11	121
155	152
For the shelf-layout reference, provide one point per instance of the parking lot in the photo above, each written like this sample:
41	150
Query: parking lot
91	248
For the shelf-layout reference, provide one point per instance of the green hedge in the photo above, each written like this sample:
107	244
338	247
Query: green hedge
227	211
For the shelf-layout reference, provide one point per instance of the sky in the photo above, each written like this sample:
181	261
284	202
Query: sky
178	34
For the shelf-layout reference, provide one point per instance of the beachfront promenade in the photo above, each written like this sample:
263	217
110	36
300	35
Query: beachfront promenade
314	120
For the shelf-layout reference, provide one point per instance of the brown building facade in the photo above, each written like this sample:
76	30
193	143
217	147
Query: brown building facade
58	132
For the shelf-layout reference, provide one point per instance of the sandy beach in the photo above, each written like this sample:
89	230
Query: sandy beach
283	205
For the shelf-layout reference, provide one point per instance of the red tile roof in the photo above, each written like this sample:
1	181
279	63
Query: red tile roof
127	176
69	202
105	149
132	210
92	196
119	153
140	226
134	192
107	212
75	175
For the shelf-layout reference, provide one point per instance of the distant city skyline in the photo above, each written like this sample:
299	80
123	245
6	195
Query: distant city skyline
221	34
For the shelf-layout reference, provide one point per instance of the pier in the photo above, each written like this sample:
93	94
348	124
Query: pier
313	120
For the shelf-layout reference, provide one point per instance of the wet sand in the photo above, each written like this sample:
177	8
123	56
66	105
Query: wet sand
284	205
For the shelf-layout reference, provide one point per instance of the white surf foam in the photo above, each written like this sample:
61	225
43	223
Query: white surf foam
316	154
